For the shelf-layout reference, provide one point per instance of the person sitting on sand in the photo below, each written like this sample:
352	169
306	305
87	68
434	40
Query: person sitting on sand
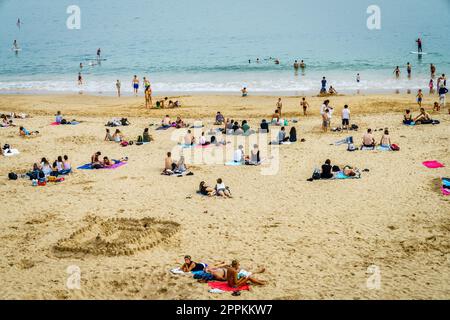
118	136
245	126
45	167
34	173
436	106
169	164
96	163
235	278
24	132
332	91
189	138
219	118
254	158
58	117
385	139
407	117
108	136
166	121
5	122
202	141
67	167
180	166
422	117
244	91
206	190
222	190
293	135
368	140
238	155
326	170
146	137
282	136
191	266
179	123
264	126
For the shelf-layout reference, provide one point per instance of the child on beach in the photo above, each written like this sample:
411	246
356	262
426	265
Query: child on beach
436	106
222	190
431	86
325	120
419	97
304	104
244	92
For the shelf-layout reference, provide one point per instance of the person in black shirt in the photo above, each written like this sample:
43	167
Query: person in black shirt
264	126
191	266
326	170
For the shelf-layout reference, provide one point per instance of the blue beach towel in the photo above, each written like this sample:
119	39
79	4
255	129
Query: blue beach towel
446	182
232	163
163	128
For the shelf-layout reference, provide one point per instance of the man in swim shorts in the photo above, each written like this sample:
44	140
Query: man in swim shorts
135	83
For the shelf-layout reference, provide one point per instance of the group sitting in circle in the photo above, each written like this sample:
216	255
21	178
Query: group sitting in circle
61	166
233	127
220	189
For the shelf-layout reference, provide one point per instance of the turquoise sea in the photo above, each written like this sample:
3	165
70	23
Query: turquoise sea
204	45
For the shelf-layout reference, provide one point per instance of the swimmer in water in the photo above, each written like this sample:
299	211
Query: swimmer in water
99	51
81	65
118	84
358	78
302	64
80	79
15	45
296	65
277	61
397	72
18	23
408	69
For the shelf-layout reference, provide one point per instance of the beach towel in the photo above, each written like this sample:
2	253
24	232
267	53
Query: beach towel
163	128
382	148
445	191
433	164
184	145
69	123
367	148
87	166
225	287
232	163
10	152
446	182
178	271
341	175
410	124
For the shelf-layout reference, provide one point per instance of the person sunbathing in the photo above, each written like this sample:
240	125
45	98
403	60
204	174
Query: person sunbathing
293	135
118	136
222	190
191	266
166	121
169	164
108	136
368	140
45	167
179	123
189	138
24	132
236	277
407	117
67	167
350	172
205	190
5	122
422	117
385	139
276	117
34	173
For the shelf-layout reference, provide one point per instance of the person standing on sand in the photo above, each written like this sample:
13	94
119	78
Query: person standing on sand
148	97
397	72
325	120
135	84
304	104
324	86
345	118
442	92
118	84
244	91
279	106
419	97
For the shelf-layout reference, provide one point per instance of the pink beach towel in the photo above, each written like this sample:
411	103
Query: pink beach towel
433	164
225	287
55	124
445	192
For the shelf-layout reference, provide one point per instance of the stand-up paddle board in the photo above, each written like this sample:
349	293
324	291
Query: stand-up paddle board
417	52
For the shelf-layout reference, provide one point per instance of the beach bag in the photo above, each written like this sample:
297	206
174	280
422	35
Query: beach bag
354	127
336	169
42	183
351	147
316	174
12	176
395	147
124	143
139	139
63	121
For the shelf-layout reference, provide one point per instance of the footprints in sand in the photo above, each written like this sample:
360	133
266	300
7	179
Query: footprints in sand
117	236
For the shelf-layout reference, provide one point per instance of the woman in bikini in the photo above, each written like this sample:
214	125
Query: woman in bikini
206	190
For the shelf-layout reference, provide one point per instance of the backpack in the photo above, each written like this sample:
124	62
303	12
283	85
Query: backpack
316	174
63	121
354	127
124	121
139	139
395	147
12	176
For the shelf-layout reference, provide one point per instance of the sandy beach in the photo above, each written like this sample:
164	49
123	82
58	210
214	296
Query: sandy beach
315	239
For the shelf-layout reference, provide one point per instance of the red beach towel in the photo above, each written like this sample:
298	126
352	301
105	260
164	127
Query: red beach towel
225	287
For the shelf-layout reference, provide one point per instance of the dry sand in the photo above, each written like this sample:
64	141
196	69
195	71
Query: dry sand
316	239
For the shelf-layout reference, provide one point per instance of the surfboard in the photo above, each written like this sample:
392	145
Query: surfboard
16	49
416	52
95	59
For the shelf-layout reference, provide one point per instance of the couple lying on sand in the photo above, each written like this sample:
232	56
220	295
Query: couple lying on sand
97	163
330	172
232	274
178	123
220	189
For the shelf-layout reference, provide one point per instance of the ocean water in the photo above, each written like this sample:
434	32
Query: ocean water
204	45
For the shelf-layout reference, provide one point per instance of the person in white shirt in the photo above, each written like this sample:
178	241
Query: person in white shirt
239	154
221	189
345	117
202	140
